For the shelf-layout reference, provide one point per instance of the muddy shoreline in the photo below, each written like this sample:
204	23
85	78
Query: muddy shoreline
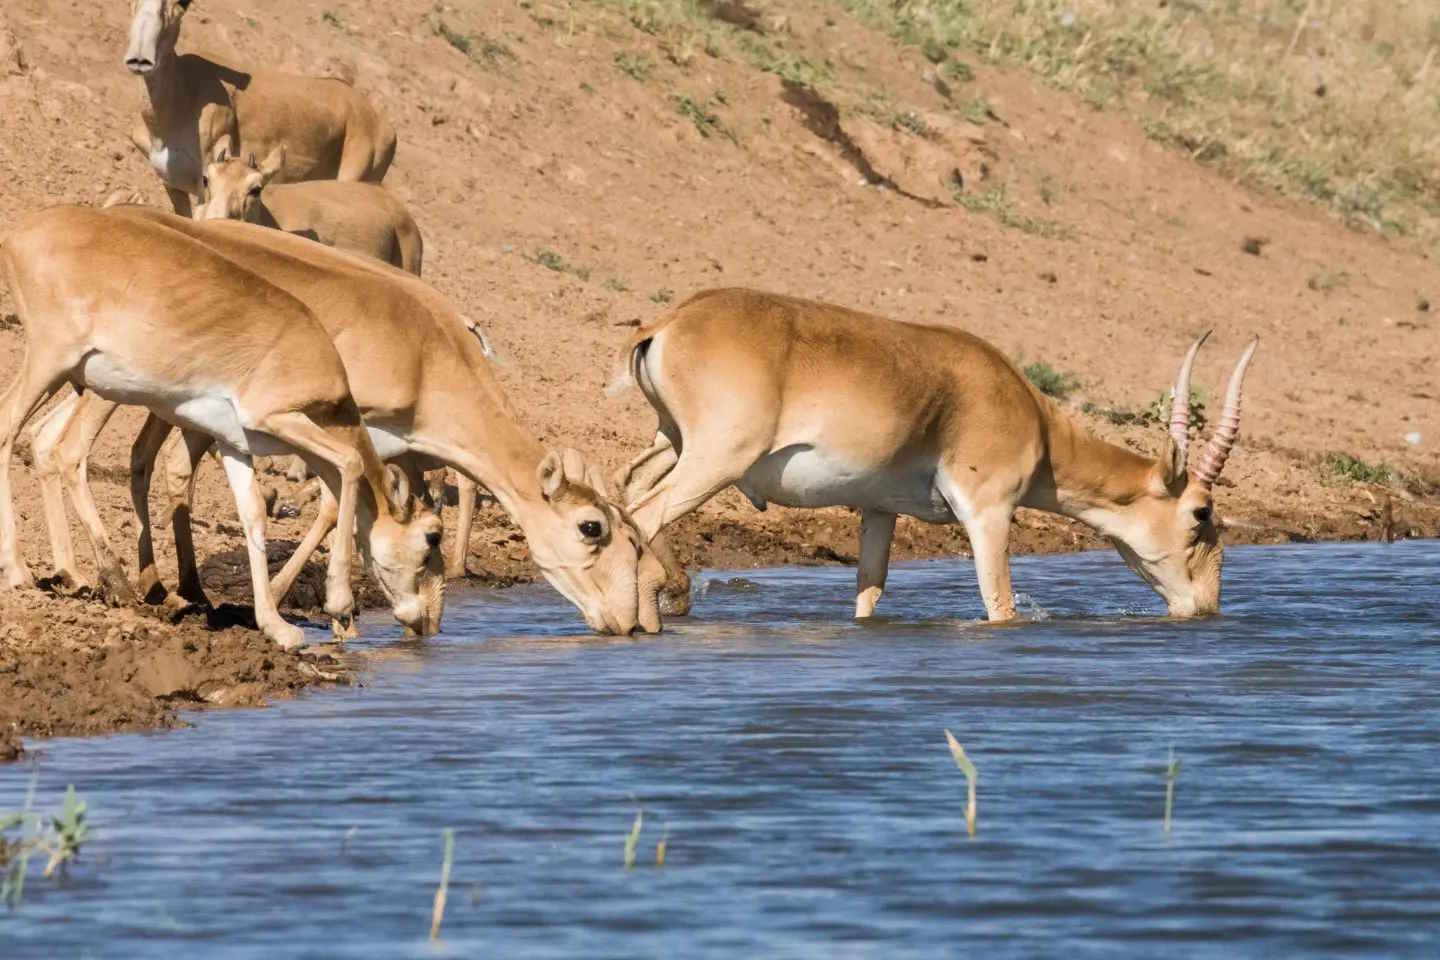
76	666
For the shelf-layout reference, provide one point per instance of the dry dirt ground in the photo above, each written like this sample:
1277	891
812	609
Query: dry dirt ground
574	173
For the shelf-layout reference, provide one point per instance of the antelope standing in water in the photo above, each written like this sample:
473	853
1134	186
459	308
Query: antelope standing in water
809	405
190	102
420	381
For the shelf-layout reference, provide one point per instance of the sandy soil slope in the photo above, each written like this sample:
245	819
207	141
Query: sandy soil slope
573	174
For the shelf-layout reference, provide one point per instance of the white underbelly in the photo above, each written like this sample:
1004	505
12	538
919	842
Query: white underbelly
205	411
389	444
176	167
804	476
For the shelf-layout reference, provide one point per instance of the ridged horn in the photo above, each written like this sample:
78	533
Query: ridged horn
1228	428
1180	400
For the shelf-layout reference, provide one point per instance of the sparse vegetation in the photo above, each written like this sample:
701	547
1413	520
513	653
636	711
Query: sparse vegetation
1172	773
58	837
332	18
1156	413
706	122
616	285
972	777
662	296
1050	381
1343	468
632	839
437	911
992	200
551	260
634	66
481	49
977	110
1335	102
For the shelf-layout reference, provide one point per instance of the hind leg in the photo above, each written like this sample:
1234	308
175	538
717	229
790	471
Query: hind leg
18	403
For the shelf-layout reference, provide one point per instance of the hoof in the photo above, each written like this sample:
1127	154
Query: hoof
287	636
343	628
116	589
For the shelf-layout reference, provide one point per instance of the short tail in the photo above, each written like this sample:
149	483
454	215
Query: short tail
625	372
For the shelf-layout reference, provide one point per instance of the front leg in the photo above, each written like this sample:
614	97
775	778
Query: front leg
877	529
251	507
180	200
464	523
693	480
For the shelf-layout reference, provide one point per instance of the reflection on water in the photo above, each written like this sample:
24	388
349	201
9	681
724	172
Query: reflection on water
796	763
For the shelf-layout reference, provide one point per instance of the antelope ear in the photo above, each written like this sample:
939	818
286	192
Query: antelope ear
221	151
398	493
596	480
1170	467
551	474
273	164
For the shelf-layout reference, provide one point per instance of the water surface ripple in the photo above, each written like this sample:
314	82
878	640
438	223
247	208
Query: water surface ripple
796	764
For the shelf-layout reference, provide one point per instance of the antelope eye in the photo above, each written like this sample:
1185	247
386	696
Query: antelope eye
1202	514
255	191
432	539
205	182
591	529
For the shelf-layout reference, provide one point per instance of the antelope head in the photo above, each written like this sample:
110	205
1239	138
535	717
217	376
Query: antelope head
231	187
154	28
589	550
1171	537
403	554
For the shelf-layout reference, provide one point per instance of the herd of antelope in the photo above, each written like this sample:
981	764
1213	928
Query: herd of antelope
229	320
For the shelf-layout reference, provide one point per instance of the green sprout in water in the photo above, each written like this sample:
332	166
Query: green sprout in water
632	839
438	913
1172	773
60	839
972	776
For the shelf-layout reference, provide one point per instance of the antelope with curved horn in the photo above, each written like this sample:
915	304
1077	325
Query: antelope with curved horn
810	405
190	102
421	382
223	353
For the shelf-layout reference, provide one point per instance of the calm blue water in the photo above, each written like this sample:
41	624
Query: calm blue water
797	765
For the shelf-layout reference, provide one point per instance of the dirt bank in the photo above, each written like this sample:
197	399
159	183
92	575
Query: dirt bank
577	168
73	667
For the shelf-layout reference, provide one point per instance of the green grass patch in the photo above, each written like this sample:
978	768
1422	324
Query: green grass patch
480	48
993	201
706	121
1051	382
1343	468
634	66
1155	413
1334	102
551	260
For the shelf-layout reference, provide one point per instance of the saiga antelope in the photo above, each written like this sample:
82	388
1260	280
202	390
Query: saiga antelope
809	405
363	218
190	102
225	354
421	381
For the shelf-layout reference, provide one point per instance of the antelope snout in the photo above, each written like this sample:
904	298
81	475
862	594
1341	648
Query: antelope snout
140	66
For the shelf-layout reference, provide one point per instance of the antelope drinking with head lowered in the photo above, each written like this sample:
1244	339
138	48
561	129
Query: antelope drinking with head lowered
809	405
